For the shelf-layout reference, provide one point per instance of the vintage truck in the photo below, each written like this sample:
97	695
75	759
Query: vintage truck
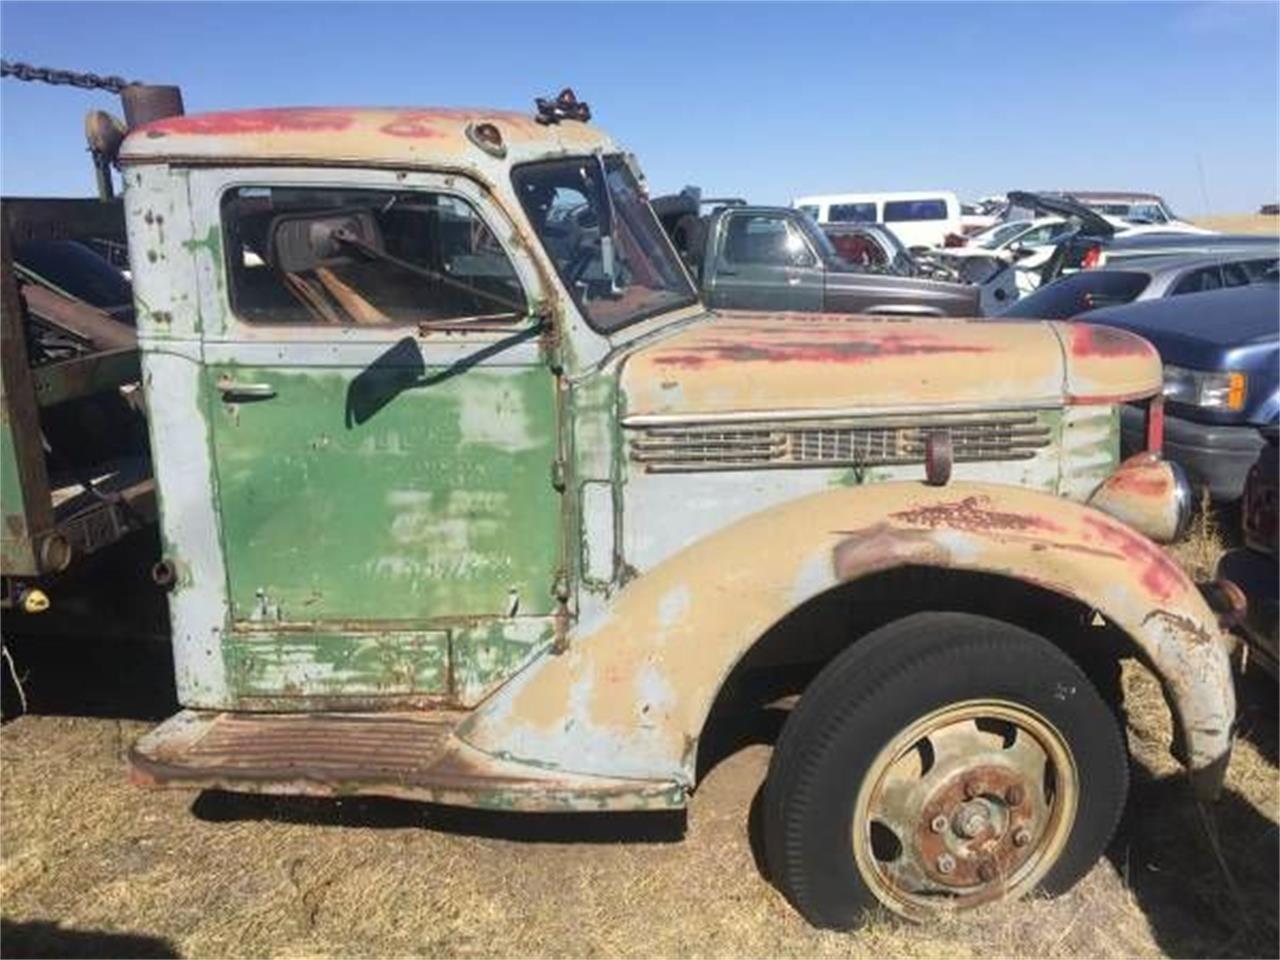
748	257
466	498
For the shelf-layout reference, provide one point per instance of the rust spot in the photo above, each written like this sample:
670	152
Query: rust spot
271	120
1182	623
1089	340
1141	483
416	125
971	514
1160	574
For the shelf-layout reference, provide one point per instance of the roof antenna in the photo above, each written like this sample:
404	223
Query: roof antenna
1204	188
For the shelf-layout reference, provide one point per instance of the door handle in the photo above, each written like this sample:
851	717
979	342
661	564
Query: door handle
231	390
727	273
792	281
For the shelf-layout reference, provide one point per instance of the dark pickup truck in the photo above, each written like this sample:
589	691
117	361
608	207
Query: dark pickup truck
1220	352
775	258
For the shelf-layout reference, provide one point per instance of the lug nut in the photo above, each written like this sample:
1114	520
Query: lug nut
1015	795
1021	837
938	824
946	863
986	872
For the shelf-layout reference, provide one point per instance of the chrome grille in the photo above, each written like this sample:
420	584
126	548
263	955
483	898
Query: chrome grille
686	448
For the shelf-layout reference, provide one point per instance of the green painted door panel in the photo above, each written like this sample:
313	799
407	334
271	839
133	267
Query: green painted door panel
273	669
373	498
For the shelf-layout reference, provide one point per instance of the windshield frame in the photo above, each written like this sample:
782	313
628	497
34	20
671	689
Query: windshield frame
614	163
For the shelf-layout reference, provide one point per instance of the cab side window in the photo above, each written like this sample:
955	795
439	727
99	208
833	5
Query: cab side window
853	213
761	240
1256	270
304	255
1206	278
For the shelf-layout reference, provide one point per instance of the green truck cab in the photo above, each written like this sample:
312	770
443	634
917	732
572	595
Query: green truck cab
466	498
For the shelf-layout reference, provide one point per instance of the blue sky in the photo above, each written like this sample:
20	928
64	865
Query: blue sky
759	100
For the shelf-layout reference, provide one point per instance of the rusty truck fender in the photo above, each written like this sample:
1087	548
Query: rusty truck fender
630	696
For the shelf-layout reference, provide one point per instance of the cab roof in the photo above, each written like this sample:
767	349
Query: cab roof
397	136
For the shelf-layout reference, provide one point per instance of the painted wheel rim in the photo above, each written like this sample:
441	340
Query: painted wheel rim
970	804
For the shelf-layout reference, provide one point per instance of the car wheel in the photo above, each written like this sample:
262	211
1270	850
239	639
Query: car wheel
944	761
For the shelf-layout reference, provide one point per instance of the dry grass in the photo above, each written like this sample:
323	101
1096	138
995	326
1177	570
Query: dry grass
93	866
1240	223
1209	535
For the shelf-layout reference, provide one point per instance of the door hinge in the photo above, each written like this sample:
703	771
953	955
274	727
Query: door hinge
558	474
560	587
560	591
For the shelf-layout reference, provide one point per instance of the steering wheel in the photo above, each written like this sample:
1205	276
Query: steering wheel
586	249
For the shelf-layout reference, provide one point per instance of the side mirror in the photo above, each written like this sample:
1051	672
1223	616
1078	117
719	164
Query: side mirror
298	242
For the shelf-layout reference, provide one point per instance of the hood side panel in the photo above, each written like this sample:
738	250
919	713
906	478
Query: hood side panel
779	362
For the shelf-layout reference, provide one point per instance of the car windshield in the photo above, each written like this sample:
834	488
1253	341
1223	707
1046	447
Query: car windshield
996	236
605	242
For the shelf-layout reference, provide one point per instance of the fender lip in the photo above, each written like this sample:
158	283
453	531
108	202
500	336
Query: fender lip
632	694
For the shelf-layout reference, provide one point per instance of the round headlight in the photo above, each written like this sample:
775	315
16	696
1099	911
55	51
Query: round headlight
1183	497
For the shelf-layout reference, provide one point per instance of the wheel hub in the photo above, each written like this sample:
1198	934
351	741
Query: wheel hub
967	805
977	846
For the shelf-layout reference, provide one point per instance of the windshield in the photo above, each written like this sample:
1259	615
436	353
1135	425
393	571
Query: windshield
998	235
608	248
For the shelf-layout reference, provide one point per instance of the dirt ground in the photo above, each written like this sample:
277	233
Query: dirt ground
1241	223
91	866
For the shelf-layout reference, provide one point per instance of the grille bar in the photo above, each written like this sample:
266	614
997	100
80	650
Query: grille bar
746	446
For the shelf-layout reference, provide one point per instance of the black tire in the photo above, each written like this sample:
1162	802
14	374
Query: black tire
880	687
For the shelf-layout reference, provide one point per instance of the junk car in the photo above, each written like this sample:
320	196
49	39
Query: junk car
465	497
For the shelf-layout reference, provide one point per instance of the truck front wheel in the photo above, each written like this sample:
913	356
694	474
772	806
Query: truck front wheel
942	762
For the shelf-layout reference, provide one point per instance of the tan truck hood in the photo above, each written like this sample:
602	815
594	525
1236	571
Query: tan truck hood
764	363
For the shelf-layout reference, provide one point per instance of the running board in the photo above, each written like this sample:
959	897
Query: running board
413	756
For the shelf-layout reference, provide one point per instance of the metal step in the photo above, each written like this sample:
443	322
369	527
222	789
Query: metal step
414	756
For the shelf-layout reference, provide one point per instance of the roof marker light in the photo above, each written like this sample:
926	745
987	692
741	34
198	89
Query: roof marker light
488	138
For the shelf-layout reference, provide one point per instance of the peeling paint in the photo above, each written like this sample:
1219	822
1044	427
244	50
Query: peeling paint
416	518
1080	552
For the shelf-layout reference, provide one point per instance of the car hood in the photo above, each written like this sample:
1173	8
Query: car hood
784	363
1216	329
1212	320
1092	222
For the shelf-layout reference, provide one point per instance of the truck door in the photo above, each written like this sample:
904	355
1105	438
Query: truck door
764	262
383	430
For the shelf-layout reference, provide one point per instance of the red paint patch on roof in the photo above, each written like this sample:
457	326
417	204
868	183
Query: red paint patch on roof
274	120
415	125
1160	574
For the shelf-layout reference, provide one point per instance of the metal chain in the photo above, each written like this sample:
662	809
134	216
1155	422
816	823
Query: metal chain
63	78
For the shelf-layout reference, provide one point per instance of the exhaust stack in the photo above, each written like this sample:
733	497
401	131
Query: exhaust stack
144	103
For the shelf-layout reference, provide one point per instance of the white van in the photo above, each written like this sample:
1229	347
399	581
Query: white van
920	218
